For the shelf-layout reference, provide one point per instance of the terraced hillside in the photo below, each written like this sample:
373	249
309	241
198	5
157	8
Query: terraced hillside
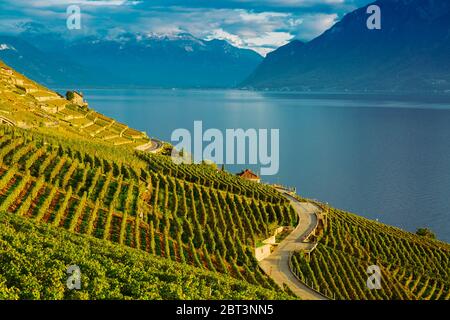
412	267
210	220
26	104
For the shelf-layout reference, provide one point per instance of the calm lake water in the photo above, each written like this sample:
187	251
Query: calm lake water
381	157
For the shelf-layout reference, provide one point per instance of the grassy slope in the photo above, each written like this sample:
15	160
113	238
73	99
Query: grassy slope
34	259
129	201
412	267
57	115
68	159
184	203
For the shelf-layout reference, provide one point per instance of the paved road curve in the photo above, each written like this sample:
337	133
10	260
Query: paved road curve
153	146
277	264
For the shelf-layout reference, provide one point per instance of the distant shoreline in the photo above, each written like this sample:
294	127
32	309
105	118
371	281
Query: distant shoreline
445	93
433	98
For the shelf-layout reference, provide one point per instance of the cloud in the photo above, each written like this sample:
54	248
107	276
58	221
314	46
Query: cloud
269	41
262	43
223	35
259	31
65	3
261	25
258	5
312	26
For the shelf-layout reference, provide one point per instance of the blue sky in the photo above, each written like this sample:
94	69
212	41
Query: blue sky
261	25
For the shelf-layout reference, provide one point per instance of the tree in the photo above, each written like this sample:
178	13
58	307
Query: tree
425	232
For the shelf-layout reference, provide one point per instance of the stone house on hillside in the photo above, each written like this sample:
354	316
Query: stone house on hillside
76	98
247	174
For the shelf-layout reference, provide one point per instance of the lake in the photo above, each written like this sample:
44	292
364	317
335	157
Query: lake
385	158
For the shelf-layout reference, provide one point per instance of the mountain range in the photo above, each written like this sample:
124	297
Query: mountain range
44	67
411	52
128	59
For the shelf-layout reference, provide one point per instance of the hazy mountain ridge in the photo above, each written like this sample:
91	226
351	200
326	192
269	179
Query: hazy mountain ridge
41	66
128	59
411	52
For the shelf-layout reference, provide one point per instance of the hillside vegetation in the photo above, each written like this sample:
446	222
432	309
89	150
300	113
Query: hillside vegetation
141	227
190	214
412	267
26	104
34	259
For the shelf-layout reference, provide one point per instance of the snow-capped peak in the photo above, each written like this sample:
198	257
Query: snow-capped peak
4	46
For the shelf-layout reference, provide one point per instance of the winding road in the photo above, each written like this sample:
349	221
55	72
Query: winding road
276	265
153	146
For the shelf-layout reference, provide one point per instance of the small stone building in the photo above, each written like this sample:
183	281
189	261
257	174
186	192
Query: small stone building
247	174
76	98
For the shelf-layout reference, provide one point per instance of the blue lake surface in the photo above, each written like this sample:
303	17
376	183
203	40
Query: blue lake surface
384	158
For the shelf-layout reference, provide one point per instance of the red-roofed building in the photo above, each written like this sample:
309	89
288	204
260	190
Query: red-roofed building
247	174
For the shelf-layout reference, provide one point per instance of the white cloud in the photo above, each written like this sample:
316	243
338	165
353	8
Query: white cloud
260	17
274	39
313	25
262	44
259	31
245	28
291	3
62	3
267	42
223	35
